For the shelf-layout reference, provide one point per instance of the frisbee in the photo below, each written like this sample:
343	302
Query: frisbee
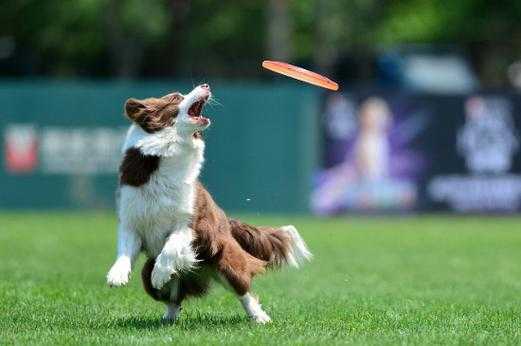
300	73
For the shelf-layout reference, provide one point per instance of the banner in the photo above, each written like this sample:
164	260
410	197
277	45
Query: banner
403	152
61	141
62	150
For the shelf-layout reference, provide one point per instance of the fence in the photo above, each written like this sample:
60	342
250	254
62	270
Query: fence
379	150
61	143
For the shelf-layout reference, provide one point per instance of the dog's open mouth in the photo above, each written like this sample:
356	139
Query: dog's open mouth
195	111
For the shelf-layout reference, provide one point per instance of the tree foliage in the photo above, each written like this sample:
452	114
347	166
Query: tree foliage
176	38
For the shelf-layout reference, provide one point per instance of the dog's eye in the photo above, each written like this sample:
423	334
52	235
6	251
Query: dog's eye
177	98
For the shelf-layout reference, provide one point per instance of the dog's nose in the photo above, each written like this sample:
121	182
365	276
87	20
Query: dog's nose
205	86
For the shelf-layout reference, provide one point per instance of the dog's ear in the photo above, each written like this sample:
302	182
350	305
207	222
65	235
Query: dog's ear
133	108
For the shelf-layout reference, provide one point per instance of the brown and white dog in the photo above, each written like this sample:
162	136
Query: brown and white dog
165	212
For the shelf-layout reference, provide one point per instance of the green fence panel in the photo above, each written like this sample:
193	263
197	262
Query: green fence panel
261	148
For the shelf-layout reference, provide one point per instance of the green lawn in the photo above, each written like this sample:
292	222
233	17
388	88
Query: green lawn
410	280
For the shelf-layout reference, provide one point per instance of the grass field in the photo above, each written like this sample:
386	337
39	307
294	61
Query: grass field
412	280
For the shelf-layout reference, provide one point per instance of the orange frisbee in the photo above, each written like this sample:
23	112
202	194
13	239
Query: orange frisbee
300	73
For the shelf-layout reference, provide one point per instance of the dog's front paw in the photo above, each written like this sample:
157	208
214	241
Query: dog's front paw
160	275
119	274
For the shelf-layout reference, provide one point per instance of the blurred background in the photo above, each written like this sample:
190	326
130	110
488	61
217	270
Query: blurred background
427	118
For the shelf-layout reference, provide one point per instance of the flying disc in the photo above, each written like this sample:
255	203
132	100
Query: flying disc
300	73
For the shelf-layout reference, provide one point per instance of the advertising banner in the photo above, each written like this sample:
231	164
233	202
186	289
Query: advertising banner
397	152
60	143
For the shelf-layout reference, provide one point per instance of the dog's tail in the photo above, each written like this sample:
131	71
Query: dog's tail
277	246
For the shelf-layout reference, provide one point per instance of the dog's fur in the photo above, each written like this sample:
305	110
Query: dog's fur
167	213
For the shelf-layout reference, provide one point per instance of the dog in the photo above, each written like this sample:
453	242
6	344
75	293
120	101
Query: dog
168	214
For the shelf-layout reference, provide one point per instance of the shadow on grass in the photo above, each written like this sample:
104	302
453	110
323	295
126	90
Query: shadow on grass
187	322
140	323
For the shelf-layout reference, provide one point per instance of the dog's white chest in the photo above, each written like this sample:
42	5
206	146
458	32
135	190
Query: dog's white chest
162	206
165	203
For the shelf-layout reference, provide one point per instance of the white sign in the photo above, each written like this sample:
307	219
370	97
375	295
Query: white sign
80	150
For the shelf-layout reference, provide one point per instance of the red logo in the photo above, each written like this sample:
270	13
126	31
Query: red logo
21	148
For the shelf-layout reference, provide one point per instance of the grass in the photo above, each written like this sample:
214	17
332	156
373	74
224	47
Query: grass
415	280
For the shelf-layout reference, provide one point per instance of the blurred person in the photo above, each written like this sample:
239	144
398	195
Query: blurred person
363	179
372	145
487	140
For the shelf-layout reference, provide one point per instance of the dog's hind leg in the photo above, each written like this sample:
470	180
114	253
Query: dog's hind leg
250	304
237	268
189	285
253	308
168	294
175	291
173	305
